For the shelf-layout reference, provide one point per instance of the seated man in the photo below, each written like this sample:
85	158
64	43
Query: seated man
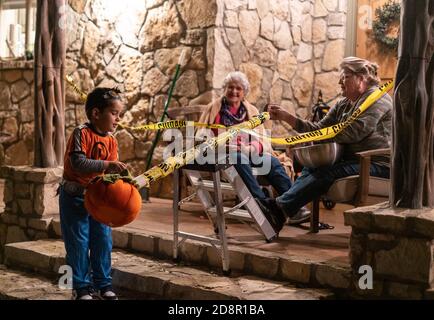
232	109
371	130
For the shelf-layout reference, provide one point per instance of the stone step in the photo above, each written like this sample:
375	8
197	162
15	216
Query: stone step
162	279
250	256
18	285
252	259
429	294
246	260
22	285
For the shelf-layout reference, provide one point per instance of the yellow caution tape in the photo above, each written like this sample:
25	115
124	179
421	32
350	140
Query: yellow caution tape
316	135
70	81
332	131
182	158
172	124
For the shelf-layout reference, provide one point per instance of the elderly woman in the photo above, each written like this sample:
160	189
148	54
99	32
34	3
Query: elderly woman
371	130
231	109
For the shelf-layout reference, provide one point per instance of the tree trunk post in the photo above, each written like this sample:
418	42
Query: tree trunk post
50	52
412	172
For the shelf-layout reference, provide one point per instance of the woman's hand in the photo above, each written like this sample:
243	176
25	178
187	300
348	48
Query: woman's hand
246	149
114	166
233	148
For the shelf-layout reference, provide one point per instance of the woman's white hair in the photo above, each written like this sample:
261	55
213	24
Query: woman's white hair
239	77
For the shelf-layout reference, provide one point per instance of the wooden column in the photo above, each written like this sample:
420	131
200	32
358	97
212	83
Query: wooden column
28	24
50	52
413	143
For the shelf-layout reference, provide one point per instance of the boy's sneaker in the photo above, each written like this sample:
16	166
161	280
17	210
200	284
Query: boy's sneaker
107	293
86	293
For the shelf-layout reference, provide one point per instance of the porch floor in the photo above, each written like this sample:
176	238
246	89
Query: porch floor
326	246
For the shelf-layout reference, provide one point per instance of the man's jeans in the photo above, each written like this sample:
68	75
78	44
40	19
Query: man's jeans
276	175
88	243
314	182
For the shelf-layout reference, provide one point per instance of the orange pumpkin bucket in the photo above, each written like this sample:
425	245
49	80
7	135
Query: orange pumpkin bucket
113	200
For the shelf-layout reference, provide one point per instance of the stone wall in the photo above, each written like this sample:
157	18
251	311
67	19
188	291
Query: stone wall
16	112
398	244
30	203
136	49
288	49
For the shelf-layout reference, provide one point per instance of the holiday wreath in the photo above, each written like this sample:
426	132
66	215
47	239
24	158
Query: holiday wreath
384	16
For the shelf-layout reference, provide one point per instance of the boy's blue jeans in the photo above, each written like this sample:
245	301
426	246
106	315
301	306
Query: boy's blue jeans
88	243
315	182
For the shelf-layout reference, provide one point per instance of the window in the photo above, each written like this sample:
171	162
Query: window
17	28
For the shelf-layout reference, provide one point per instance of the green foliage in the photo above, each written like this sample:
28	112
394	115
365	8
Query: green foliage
385	15
113	177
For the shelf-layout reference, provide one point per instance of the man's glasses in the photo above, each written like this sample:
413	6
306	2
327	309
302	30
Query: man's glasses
348	75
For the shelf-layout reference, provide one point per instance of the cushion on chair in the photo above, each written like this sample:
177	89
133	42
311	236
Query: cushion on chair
379	186
344	189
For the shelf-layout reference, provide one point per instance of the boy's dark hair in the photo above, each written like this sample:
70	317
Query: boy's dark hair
101	98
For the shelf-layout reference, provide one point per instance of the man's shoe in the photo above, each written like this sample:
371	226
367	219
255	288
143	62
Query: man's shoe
107	293
301	216
272	217
276	210
86	293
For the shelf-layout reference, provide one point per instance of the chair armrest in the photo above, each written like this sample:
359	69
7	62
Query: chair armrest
374	152
280	147
365	166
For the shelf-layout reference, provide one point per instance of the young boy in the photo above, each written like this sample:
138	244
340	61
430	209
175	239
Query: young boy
91	150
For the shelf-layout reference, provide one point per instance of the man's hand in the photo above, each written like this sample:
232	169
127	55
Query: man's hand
278	113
